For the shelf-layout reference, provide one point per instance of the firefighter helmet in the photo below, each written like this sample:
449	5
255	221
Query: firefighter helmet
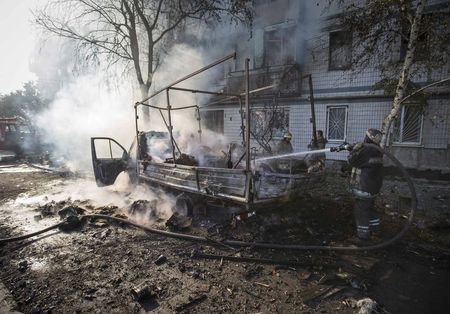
287	135
374	136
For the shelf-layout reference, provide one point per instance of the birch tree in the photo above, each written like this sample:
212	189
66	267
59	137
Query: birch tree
400	37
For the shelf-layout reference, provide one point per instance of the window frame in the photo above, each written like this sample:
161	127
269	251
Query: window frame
283	48
328	124
400	142
347	66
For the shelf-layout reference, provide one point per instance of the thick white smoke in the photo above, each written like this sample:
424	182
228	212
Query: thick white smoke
83	109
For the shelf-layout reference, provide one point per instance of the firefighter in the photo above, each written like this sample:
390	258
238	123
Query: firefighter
365	182
321	141
285	146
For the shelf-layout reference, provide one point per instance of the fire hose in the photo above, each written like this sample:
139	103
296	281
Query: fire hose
264	245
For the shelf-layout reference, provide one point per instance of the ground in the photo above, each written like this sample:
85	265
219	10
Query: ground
106	267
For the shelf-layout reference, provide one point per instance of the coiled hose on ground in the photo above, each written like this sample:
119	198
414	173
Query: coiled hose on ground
264	245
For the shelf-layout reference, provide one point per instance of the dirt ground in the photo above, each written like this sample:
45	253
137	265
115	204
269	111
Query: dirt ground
106	267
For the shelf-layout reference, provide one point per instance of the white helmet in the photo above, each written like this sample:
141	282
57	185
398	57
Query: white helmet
374	135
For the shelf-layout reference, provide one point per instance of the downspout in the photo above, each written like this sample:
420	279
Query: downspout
247	132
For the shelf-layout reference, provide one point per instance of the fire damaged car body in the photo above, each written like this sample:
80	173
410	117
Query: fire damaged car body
232	179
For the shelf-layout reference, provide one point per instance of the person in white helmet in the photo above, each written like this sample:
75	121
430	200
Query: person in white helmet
366	181
285	146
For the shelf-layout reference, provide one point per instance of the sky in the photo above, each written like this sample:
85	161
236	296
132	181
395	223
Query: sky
17	41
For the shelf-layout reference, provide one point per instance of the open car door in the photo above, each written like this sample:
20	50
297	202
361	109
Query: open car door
109	158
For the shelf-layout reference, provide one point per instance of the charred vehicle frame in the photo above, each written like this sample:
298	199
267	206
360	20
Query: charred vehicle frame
245	188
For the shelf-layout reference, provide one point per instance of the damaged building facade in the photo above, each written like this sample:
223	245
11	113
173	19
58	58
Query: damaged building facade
292	39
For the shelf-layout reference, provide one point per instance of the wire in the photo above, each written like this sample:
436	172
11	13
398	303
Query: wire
26	236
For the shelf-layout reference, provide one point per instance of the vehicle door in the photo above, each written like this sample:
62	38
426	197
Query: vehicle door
109	158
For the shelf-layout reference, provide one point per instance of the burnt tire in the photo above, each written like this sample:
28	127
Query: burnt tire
184	205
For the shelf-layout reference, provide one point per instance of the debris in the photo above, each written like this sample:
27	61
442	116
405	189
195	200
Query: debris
71	223
178	222
366	305
70	211
315	292
343	275
161	260
107	210
142	292
261	284
331	292
23	265
252	272
192	302
361	262
105	233
99	224
304	275
141	207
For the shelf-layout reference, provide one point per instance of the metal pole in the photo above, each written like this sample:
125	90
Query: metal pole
170	125
136	117
313	111
199	118
247	114
233	55
241	112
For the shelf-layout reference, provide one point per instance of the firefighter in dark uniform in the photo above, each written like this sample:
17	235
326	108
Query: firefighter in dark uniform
285	146
365	182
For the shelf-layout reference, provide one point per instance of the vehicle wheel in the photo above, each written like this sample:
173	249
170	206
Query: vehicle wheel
184	205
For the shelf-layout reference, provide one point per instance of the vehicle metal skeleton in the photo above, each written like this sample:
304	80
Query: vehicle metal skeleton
246	188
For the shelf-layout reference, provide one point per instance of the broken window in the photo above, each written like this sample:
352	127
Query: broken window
213	120
407	128
279	46
336	123
340	54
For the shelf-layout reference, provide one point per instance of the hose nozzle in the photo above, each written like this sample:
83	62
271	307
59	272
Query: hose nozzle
343	146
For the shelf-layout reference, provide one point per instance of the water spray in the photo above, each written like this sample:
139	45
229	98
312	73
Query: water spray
343	146
298	154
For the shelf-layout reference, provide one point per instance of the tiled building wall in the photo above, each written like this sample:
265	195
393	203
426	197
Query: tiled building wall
342	88
361	115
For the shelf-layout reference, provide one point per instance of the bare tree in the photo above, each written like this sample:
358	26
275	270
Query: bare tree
133	32
419	37
268	123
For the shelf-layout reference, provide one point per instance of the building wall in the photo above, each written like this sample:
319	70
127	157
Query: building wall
351	88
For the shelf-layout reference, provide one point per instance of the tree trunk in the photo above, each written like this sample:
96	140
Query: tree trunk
145	111
401	86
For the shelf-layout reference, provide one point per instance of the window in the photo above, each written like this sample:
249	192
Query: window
336	123
340	55
213	120
421	52
407	128
279	46
423	42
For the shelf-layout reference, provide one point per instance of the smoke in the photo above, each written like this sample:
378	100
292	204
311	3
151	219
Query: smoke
86	108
